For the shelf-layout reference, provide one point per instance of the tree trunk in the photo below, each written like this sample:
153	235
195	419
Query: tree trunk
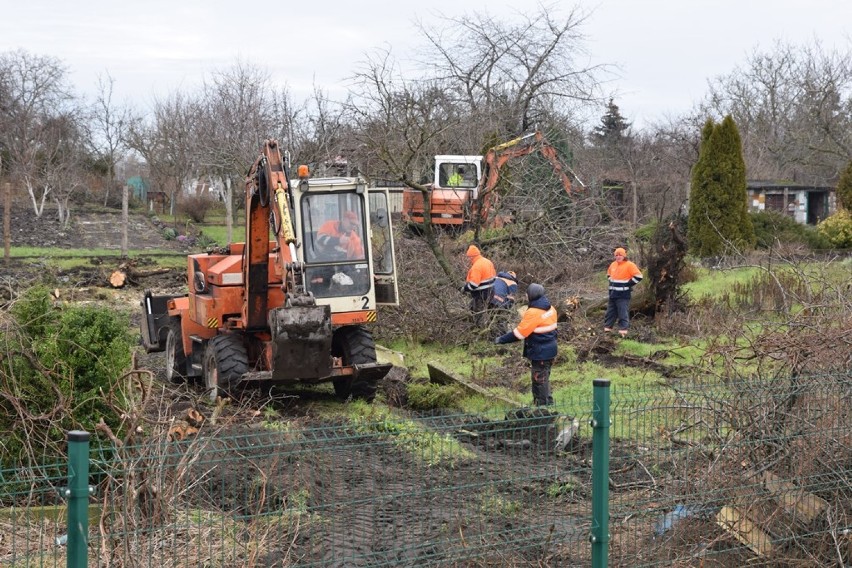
125	218
229	209
7	219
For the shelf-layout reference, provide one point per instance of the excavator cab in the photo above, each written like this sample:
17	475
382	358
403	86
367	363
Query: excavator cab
347	244
464	186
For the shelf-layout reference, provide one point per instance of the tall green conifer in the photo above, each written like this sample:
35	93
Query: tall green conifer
718	207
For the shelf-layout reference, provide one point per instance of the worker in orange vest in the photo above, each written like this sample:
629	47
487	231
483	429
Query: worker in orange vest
342	237
623	275
538	330
479	284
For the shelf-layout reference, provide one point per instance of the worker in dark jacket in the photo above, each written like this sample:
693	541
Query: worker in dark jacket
623	275
503	300
538	330
505	288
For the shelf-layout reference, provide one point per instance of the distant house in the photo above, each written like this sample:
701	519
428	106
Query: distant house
807	204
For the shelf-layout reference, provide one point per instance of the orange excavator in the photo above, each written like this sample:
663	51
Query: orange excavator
292	303
464	187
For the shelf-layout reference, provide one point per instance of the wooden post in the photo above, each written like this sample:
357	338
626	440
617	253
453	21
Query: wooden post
7	221
125	218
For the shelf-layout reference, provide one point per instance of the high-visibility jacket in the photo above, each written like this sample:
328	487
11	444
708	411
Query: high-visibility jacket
537	329
329	235
623	275
481	274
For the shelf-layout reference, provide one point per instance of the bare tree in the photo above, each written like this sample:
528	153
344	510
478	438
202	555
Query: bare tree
514	75
37	99
240	107
61	167
400	126
108	123
325	137
794	109
167	142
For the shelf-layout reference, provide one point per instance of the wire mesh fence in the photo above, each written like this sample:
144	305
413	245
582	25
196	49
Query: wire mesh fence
725	474
731	474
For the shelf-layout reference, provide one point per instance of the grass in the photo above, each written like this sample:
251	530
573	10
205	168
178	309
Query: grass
431	448
219	233
714	283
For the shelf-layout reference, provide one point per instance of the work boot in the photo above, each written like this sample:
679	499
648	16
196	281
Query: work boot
607	329
622	332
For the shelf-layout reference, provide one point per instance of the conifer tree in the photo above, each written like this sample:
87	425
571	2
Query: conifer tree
718	207
612	129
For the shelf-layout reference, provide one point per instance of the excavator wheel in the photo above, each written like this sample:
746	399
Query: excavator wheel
356	346
175	356
225	361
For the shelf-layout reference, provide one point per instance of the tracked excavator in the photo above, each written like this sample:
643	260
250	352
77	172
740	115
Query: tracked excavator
464	187
292	303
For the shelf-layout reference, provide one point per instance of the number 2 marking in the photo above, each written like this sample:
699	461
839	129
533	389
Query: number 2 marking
366	302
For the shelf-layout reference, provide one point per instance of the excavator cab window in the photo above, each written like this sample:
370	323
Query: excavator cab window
457	175
335	244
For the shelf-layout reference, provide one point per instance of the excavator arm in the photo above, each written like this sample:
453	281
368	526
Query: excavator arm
499	155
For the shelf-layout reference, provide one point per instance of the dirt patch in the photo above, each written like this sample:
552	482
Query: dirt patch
101	230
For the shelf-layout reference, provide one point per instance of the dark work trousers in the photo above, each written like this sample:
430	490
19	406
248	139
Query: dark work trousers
541	382
479	306
617	308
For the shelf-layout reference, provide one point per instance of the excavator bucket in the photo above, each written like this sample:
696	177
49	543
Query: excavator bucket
301	342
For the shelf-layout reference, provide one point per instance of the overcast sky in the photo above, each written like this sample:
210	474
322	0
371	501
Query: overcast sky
666	50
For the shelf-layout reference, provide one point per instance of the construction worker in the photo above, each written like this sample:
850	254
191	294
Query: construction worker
505	288
457	178
538	330
623	275
479	283
341	238
503	300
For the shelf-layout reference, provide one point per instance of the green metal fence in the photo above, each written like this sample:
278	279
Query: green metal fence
698	475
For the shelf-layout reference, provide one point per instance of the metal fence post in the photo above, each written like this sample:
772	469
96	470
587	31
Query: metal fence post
600	474
78	499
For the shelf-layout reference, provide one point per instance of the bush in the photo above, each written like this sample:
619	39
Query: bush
59	365
772	227
196	207
837	229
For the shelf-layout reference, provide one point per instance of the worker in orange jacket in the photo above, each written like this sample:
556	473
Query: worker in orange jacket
623	275
341	238
479	283
538	330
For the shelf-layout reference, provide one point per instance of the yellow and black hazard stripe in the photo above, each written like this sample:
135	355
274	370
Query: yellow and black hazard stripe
370	316
212	323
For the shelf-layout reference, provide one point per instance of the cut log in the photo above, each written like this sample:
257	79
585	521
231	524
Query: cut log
802	505
152	272
443	376
118	279
736	523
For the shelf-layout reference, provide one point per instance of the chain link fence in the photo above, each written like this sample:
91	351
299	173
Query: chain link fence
723	474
